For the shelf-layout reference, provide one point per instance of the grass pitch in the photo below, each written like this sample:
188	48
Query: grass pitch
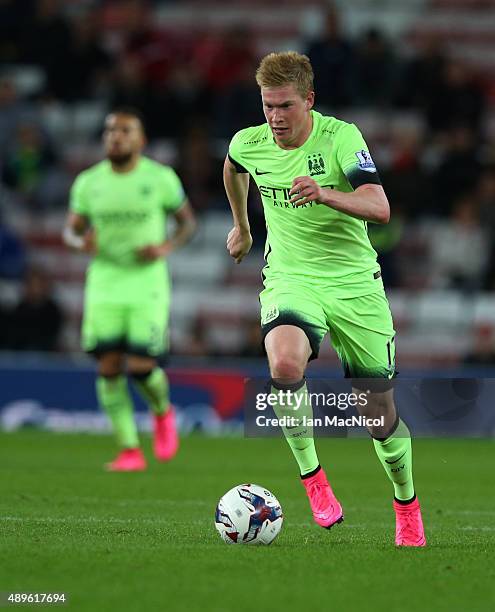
147	541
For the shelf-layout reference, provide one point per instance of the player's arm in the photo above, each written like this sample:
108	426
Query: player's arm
185	227
367	202
78	235
184	231
236	183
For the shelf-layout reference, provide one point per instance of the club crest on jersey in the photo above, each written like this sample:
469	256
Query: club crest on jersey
270	315
365	161
316	164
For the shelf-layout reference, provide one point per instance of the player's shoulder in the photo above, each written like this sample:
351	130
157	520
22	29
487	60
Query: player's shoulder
152	166
96	170
334	127
250	137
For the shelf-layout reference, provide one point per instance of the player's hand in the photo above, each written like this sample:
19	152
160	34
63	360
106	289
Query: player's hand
152	252
239	243
89	243
305	189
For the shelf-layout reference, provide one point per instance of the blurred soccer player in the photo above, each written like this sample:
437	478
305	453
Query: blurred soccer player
319	188
118	213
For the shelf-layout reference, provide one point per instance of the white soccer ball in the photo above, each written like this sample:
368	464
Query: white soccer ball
248	514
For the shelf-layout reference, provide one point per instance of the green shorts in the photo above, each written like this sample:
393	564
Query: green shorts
136	329
361	328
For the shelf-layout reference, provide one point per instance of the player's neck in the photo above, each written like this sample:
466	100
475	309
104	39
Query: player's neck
127	166
302	137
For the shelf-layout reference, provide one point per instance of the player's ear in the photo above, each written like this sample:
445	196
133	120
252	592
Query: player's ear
310	100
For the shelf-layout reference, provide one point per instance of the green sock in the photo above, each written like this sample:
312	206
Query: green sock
395	454
154	389
299	437
114	398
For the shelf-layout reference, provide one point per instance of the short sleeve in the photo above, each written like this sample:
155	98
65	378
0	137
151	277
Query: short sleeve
174	191
235	153
78	202
354	158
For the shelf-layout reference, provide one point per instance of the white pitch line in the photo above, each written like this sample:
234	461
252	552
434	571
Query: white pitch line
137	502
479	528
92	519
157	521
200	503
468	512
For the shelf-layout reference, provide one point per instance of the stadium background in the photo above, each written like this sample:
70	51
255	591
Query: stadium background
418	78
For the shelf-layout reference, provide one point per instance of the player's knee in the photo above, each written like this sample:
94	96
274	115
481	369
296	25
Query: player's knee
140	375
140	366
110	365
386	428
286	368
109	372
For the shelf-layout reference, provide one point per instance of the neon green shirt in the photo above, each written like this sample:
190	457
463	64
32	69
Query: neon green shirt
127	211
312	241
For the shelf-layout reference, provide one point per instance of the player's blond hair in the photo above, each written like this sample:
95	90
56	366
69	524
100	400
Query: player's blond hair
288	67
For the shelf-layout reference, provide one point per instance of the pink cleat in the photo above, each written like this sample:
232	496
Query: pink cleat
166	440
409	529
326	509
128	460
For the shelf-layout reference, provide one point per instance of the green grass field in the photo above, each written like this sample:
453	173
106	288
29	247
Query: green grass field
147	541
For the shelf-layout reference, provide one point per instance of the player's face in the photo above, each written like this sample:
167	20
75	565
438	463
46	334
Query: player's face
287	113
123	137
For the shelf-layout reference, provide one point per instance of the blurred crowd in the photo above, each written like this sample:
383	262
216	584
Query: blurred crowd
35	321
196	88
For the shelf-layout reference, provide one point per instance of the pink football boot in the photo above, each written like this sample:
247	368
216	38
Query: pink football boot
326	509
409	529
128	460
166	439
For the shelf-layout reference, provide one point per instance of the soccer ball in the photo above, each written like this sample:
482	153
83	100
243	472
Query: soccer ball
248	514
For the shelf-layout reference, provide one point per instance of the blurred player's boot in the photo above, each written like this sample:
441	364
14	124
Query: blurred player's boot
166	439
409	529
326	509
128	460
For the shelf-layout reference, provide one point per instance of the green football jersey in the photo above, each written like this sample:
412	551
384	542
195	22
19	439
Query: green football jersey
127	211
312	241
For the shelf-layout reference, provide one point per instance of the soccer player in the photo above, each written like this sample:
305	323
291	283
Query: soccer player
320	188
118	213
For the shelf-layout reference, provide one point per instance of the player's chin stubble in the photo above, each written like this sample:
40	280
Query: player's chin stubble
120	159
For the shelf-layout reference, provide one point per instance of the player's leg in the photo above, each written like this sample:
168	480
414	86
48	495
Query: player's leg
288	351
103	329
363	335
146	343
113	396
150	381
292	336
